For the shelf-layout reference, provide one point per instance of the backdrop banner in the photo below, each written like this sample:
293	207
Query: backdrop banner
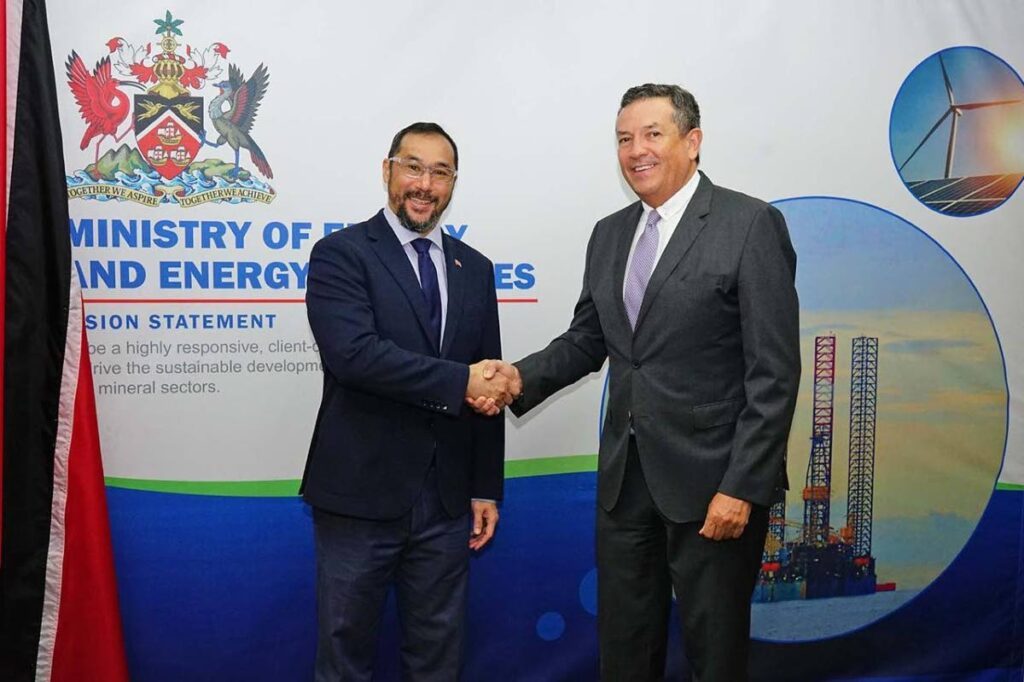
208	146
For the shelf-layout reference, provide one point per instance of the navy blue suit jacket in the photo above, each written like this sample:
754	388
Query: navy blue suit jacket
392	402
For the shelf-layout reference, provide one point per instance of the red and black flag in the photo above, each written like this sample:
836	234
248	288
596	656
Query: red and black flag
58	597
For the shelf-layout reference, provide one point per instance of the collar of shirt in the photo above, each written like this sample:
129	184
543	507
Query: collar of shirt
672	210
406	236
671	213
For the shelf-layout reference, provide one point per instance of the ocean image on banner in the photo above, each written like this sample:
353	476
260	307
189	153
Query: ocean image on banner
899	349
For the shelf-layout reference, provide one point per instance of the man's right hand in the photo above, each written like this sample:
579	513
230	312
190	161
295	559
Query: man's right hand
492	385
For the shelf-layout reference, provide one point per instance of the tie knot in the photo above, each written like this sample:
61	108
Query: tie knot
653	219
422	246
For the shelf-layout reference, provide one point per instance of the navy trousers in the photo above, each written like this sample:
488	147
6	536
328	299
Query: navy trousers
425	556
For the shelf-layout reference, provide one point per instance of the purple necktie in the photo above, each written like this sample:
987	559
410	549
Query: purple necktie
641	267
431	289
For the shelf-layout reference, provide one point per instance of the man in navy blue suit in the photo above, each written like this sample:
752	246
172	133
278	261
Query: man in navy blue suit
403	479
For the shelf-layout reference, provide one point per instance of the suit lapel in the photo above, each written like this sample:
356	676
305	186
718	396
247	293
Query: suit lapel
456	287
686	232
624	240
392	255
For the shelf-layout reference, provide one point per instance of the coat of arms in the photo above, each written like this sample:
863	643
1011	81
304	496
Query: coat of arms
166	117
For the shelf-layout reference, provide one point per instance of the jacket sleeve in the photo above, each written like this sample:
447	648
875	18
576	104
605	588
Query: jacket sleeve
488	469
770	328
341	316
569	357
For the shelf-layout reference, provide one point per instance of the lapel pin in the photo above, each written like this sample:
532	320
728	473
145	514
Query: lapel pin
458	263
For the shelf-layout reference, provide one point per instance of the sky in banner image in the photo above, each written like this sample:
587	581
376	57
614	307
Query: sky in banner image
940	405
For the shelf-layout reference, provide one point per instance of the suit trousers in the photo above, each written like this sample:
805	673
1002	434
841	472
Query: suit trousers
641	557
425	556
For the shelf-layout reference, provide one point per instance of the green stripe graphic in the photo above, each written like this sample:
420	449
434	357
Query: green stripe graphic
517	468
280	488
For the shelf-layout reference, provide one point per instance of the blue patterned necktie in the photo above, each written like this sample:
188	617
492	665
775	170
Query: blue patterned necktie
641	267
431	290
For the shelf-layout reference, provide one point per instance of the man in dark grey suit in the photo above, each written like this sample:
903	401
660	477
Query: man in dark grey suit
690	294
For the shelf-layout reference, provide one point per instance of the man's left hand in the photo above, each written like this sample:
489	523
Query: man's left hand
485	519
726	519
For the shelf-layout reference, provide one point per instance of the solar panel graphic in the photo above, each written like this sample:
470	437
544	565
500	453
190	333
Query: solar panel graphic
966	196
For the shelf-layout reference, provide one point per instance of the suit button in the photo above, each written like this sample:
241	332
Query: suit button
636	365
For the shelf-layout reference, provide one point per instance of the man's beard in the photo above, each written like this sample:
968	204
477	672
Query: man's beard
415	226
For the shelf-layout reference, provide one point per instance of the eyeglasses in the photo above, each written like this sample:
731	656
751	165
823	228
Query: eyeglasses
415	170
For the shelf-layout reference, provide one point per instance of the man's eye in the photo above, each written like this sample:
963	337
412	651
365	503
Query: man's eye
414	168
441	173
623	140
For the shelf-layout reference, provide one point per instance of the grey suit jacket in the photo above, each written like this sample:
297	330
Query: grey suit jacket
709	378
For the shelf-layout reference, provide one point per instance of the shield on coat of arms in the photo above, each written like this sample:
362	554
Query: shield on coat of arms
168	132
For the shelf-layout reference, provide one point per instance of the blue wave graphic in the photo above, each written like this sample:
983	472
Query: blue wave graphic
146	182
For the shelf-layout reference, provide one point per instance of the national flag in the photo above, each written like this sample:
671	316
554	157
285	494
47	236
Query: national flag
59	618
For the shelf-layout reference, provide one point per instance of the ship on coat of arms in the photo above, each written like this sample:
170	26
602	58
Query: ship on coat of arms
167	119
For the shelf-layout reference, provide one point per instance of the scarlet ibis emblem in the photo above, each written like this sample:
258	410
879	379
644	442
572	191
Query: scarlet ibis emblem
101	102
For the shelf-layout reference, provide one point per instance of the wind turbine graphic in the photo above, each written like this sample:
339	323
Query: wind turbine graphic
956	111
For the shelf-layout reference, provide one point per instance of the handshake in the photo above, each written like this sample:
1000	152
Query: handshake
492	385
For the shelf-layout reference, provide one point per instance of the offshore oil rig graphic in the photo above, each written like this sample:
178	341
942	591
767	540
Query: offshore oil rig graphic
823	561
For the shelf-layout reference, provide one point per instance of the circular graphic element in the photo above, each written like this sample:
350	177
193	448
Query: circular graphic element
550	626
901	358
956	131
588	592
900	425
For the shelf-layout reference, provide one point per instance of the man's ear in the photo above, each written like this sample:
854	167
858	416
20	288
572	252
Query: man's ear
694	138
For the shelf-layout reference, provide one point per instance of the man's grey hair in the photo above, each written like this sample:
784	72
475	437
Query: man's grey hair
687	113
